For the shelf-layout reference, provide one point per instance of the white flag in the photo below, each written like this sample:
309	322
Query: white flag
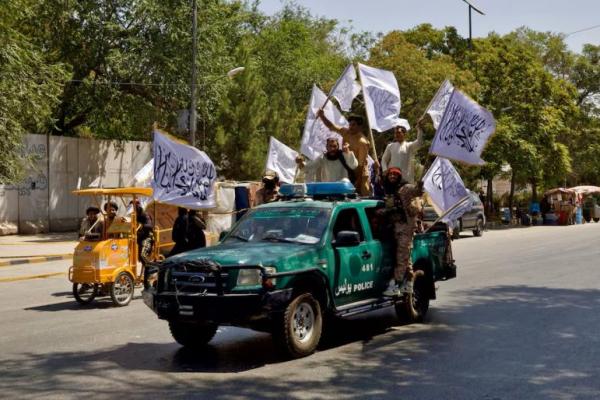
314	137
440	101
143	178
463	131
282	160
445	188
183	175
346	88
381	95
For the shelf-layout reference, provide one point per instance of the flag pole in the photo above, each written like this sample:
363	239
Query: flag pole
454	207
371	139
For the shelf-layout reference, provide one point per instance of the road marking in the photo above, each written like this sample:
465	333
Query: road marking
35	259
27	277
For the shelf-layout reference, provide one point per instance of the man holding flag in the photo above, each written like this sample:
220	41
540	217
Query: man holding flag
403	208
359	145
401	154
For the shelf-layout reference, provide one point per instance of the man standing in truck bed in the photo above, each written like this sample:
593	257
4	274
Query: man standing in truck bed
359	145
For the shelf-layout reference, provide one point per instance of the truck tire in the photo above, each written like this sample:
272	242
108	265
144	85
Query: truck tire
121	291
298	331
478	231
192	335
596	219
85	293
420	303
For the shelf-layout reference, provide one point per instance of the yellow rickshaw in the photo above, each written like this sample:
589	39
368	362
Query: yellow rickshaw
107	264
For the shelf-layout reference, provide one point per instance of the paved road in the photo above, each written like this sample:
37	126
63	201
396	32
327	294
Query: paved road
522	321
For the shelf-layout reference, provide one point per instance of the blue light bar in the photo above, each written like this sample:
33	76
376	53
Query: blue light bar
318	189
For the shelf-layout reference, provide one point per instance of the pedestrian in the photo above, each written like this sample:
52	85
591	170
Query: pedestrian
402	205
333	165
269	191
92	227
195	231
401	154
145	238
359	146
179	232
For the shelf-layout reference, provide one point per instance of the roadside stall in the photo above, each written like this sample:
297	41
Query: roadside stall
559	206
589	201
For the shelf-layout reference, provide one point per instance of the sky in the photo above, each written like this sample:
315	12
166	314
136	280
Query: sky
502	16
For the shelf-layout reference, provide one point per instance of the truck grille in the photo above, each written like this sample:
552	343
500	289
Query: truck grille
200	277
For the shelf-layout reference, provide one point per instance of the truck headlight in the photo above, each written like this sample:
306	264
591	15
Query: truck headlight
248	277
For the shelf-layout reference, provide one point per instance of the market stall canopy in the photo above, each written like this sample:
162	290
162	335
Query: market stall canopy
586	189
559	190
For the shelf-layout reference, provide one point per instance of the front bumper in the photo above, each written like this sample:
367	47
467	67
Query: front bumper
231	308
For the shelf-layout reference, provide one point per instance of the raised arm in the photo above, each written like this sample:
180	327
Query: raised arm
330	125
413	146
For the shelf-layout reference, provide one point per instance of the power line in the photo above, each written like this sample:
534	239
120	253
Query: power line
583	30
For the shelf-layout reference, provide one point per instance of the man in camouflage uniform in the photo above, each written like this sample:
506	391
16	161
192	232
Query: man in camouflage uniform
269	191
404	206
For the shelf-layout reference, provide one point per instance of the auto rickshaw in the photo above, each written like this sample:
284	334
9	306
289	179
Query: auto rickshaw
108	264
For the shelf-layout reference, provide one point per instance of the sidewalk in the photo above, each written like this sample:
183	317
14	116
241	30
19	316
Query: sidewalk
27	249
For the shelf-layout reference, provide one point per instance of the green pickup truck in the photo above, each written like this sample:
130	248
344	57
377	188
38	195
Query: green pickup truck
288	266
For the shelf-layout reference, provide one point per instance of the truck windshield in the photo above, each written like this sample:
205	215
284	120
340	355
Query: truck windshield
282	224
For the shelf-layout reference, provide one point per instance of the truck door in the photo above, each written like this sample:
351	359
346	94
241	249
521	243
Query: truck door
355	266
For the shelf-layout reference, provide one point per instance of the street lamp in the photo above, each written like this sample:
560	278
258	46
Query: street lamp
472	7
192	113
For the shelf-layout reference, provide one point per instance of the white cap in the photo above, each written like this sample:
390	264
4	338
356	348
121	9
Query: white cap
402	122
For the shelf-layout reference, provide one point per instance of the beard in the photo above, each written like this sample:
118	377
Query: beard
332	156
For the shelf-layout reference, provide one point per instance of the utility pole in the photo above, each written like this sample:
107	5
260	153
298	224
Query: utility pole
193	82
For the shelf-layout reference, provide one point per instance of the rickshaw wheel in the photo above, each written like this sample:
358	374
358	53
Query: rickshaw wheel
121	291
85	293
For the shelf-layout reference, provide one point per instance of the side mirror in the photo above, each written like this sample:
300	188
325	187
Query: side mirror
347	239
222	235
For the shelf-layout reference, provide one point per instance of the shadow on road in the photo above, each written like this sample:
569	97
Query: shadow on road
505	342
98	303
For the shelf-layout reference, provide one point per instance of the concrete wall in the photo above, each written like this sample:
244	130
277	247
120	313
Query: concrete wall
43	201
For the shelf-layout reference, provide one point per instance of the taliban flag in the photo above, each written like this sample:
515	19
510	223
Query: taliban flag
282	160
446	190
315	135
439	102
183	175
463	131
381	95
346	88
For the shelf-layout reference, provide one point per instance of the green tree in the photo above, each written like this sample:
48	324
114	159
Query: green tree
30	85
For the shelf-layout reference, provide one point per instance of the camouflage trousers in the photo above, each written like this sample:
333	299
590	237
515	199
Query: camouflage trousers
403	234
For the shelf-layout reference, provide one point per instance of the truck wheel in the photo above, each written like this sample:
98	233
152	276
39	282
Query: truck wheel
417	309
478	231
85	293
121	291
298	331
192	335
596	219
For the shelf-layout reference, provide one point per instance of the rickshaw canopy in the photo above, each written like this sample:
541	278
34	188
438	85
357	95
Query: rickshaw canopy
126	191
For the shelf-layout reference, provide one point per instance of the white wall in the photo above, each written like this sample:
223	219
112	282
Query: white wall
43	202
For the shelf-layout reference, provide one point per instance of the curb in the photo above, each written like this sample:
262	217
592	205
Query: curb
33	260
28	277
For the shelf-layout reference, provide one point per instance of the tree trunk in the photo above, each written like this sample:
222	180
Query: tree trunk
511	195
534	194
